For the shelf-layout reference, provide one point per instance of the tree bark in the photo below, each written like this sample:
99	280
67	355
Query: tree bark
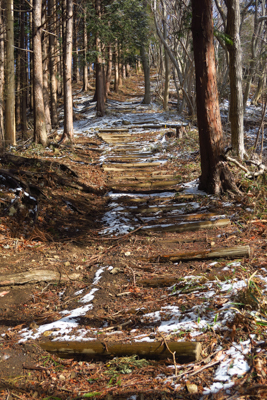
23	78
109	70
2	76
116	67
100	90
67	56
235	74
146	68
53	64
166	61
76	72
85	44
45	43
40	134
215	174
10	131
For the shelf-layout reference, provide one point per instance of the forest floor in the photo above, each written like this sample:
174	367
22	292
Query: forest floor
109	240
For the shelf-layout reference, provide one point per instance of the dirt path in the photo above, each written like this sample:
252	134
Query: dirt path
143	274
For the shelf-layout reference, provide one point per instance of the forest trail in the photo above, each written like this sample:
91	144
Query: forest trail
143	192
161	263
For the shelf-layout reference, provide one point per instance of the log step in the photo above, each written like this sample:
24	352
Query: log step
190	226
229	252
185	352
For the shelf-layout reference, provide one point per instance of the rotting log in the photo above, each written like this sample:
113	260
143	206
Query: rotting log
190	226
185	352
228	252
42	275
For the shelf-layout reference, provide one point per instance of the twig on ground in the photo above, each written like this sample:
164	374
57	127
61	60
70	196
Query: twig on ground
172	352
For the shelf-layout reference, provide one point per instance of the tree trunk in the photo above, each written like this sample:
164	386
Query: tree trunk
10	131
100	90
145	62
235	74
85	44
59	57
215	175
17	79
2	75
53	64
260	86
116	66
45	43
166	61
40	134
109	70
23	78
76	73
67	56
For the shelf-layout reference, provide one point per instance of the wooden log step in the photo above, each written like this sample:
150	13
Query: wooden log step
173	207
109	168
135	165
140	172
120	159
41	275
141	177
190	226
145	184
185	352
223	252
113	130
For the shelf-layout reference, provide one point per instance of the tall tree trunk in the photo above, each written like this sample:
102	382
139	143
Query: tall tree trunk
166	61
109	70
45	43
31	56
145	62
67	56
100	90
119	66
10	131
85	45
53	64
23	77
2	75
235	74
60	57
17	81
76	72
40	134
116	67
215	175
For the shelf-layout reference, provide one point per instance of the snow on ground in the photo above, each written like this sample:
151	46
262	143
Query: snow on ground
170	320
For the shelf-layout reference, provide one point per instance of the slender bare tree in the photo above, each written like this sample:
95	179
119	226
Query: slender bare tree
2	77
10	131
68	102
40	133
52	63
235	74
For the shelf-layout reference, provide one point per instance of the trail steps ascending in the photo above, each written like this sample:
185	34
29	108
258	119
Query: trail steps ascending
145	192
